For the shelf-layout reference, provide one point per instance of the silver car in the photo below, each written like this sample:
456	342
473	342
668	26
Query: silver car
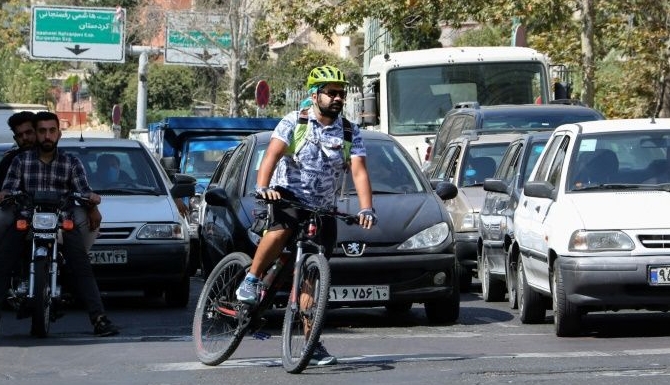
143	242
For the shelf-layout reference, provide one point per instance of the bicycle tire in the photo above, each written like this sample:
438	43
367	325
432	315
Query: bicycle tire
297	348
216	334
41	308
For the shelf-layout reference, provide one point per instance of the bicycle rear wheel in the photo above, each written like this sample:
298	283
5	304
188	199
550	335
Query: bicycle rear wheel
305	315
218	326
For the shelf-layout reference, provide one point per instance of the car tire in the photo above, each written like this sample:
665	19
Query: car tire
464	277
193	258
510	279
445	310
567	316
177	295
493	290
531	305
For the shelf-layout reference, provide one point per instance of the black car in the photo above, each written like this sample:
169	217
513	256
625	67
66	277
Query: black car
496	269
405	259
470	116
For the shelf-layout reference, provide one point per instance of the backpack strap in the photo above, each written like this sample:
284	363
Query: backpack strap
302	128
348	138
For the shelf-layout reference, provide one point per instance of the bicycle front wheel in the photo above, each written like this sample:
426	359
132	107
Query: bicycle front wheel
305	314
218	326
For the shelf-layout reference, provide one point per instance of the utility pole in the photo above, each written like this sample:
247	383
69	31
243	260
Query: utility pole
142	75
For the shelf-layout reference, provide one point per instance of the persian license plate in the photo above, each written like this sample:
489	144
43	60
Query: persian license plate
359	293
108	257
659	275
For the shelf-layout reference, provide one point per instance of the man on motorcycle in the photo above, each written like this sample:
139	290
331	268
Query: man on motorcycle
45	168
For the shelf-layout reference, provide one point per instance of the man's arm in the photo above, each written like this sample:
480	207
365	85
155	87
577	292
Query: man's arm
359	174
275	151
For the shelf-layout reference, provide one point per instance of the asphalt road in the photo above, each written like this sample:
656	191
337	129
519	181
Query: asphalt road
488	345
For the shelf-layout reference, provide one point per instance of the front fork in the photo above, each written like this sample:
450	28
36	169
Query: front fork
297	277
41	251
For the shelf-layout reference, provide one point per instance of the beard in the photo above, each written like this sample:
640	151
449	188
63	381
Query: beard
332	111
47	145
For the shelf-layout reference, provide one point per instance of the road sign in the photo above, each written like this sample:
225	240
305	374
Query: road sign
199	39
77	34
262	94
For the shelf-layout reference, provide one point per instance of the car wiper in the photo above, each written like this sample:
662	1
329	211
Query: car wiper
474	184
127	191
612	186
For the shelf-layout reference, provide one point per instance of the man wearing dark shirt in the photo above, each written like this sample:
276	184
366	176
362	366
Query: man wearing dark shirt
21	124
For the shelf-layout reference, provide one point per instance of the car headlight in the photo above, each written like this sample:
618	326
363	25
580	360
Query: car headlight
582	240
45	221
194	209
469	222
161	231
429	237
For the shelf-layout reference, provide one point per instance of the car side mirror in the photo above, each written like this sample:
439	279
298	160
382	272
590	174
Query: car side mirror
216	197
446	190
183	186
495	185
542	189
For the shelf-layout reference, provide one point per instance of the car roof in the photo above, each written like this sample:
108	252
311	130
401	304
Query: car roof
475	139
614	125
99	142
524	110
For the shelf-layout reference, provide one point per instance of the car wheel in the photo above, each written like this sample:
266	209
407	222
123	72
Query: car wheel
177	295
445	310
398	307
531	306
493	290
464	277
510	279
193	258
567	316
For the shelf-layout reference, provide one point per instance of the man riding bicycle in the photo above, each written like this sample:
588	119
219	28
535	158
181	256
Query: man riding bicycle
309	173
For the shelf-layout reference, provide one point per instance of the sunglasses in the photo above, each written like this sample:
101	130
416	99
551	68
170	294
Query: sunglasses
333	93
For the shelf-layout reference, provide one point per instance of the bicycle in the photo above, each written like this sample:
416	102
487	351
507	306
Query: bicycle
221	321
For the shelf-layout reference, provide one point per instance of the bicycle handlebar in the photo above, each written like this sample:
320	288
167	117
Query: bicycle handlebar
349	219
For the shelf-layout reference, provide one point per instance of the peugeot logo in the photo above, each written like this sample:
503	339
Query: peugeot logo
353	249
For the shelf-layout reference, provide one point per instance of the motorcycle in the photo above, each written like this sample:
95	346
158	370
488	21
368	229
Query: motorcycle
37	278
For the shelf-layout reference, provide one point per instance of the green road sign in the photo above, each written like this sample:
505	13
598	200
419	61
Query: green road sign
78	33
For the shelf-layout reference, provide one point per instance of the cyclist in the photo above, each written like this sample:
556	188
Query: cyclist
310	175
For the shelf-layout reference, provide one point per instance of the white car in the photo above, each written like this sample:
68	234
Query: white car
143	242
592	227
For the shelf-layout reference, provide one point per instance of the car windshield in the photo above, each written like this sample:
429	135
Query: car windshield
119	170
481	162
389	169
634	159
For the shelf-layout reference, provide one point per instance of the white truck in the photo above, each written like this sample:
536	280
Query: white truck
407	94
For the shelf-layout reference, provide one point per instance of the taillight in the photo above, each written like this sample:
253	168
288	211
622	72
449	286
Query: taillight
68	224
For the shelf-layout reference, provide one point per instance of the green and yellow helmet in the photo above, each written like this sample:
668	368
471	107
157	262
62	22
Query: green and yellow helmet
325	74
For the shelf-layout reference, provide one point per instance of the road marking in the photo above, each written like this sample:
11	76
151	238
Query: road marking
366	359
496	322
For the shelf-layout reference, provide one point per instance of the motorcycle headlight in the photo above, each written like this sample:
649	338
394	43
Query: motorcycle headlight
45	221
161	231
429	237
612	240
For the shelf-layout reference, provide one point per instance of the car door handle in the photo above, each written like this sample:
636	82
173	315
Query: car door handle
537	209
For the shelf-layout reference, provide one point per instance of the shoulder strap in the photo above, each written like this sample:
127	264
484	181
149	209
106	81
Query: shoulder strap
348	138
299	133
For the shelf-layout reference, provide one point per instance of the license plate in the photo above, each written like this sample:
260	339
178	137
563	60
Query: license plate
358	293
659	275
108	257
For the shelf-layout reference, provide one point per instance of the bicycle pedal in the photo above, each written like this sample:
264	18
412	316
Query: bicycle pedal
261	336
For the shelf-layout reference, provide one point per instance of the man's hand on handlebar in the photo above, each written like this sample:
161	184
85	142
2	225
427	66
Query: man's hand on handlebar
367	218
268	193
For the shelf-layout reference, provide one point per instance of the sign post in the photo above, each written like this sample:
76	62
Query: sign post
77	34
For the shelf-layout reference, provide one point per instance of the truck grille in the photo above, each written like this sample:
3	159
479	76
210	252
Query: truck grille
660	241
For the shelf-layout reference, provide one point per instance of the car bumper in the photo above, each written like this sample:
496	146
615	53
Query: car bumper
614	282
147	264
465	247
412	278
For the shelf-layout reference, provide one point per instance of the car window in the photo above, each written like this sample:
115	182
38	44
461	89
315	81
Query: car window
254	165
448	163
557	165
543	167
230	179
453	124
216	176
509	163
533	155
136	172
480	162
